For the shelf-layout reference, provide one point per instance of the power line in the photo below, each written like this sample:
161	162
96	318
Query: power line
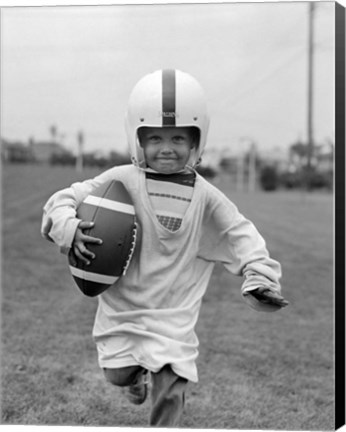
276	45
255	85
278	41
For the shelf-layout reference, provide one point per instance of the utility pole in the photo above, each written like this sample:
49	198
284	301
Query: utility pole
240	172
310	85
53	132
79	159
252	168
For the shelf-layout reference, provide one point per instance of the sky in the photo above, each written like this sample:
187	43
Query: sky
74	67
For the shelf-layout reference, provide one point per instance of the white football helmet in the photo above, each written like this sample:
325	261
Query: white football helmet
166	98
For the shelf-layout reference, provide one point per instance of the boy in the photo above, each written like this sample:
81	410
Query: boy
144	325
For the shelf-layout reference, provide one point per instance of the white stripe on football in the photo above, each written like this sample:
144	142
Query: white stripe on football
93	277
109	204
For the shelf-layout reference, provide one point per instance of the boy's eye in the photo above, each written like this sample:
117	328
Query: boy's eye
154	138
157	139
178	139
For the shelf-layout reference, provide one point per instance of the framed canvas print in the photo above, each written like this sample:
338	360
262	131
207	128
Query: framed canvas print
173	190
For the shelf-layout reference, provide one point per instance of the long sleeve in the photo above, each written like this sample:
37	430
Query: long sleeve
59	221
234	241
252	261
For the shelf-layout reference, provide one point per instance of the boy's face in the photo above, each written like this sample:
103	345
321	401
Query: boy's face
166	150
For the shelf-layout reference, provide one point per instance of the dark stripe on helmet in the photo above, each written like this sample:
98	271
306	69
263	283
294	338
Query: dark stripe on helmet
168	97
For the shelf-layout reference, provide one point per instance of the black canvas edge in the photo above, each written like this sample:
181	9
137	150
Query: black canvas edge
339	208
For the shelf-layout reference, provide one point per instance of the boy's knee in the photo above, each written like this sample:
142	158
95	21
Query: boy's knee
122	376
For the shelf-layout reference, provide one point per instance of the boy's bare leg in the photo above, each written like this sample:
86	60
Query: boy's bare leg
168	397
134	381
167	392
123	376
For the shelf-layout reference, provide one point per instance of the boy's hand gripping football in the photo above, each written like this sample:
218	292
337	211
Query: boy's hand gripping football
79	249
266	296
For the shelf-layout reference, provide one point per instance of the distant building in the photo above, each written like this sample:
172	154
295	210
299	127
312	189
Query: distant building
44	150
41	152
15	151
325	157
322	158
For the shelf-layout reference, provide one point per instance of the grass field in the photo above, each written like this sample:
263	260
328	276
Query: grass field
257	370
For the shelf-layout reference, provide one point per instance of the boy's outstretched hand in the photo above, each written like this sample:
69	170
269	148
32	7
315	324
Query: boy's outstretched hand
265	295
78	249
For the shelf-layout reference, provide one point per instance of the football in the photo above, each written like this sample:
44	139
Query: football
111	209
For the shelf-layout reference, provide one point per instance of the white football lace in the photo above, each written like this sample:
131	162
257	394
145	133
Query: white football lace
133	244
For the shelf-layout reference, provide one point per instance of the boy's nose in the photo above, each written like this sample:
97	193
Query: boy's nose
166	147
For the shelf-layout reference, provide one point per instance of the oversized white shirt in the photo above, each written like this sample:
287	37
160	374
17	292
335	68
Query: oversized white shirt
148	317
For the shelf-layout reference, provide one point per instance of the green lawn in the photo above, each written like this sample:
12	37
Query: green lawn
257	370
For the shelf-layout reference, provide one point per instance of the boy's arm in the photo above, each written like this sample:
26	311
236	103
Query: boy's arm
59	221
261	288
234	241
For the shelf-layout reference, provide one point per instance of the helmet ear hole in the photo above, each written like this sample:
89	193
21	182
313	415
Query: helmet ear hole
139	136
195	135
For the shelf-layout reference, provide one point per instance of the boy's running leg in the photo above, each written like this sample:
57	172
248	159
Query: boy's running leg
168	397
122	376
133	379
